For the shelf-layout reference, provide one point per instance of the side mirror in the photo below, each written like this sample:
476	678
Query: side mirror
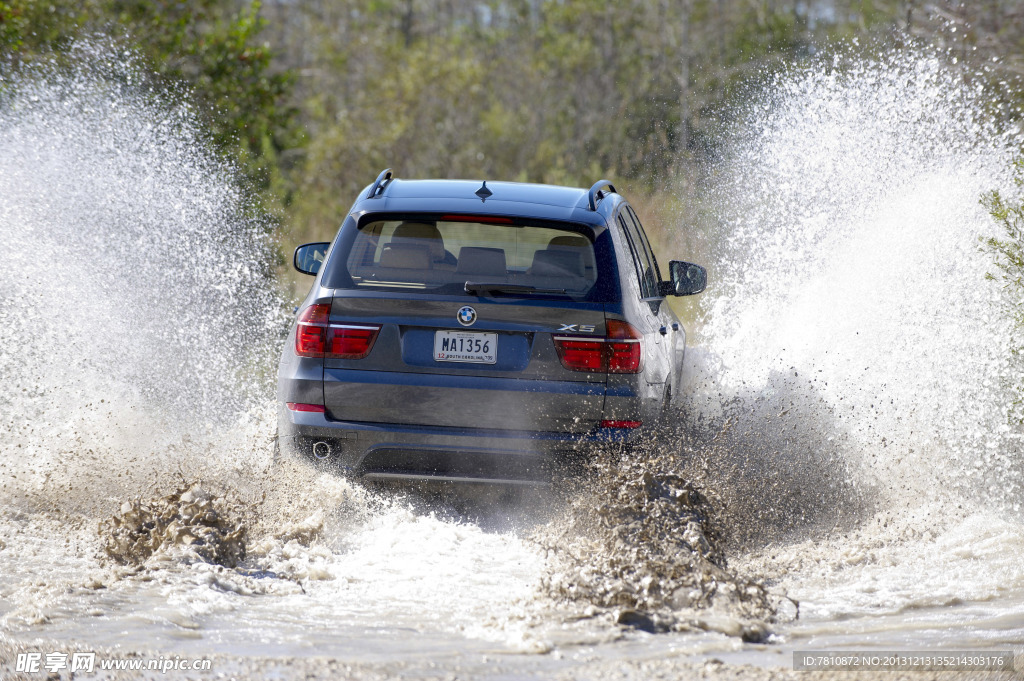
309	257
687	279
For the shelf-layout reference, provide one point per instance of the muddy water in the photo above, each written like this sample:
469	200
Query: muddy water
845	478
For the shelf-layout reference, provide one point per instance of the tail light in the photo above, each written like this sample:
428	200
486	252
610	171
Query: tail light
315	336
625	352
350	341
621	424
311	332
619	352
302	406
483	219
580	354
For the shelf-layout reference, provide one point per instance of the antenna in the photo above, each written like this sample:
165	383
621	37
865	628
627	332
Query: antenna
484	193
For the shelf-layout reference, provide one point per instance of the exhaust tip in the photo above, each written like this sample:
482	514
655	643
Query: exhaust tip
321	450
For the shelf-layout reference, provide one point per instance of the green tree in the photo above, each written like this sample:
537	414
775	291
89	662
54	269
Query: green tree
1007	250
212	48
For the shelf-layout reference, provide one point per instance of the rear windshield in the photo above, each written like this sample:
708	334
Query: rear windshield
442	255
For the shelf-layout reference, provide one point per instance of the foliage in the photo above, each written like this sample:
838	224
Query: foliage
218	54
210	47
314	98
28	25
562	91
1009	249
1008	252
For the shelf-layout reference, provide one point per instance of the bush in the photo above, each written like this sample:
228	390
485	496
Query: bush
1008	251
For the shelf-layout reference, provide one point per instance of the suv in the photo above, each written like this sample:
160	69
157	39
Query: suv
480	332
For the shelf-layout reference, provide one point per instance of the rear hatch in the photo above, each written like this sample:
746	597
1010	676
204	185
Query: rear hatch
465	312
427	368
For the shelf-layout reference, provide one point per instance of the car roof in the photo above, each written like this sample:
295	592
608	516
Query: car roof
543	201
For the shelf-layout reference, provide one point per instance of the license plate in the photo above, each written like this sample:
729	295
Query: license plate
465	346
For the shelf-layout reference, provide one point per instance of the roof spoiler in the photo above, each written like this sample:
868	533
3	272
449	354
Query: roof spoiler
382	180
596	194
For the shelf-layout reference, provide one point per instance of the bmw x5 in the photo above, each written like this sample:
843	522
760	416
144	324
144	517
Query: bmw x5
480	331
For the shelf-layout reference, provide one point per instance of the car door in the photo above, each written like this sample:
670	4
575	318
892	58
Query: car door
657	316
671	329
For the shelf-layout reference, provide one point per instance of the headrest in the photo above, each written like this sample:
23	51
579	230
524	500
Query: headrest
475	260
418	230
557	263
425	233
569	240
405	256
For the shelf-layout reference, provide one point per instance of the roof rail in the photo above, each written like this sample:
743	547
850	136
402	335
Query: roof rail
382	179
596	194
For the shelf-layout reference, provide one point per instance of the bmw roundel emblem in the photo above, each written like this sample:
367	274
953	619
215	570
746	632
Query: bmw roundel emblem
466	316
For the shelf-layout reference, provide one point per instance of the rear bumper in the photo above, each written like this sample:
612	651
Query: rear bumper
397	451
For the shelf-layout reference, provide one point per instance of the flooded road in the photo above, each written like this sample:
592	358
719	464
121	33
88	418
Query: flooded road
849	475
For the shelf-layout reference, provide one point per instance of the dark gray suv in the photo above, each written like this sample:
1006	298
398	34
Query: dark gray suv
480	332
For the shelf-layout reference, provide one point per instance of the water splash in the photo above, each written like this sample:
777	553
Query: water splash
139	332
851	368
851	316
853	399
137	308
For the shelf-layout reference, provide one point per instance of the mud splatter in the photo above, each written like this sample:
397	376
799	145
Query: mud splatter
190	520
643	543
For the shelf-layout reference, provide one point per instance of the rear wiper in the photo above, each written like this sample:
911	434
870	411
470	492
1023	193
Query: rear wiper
483	287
